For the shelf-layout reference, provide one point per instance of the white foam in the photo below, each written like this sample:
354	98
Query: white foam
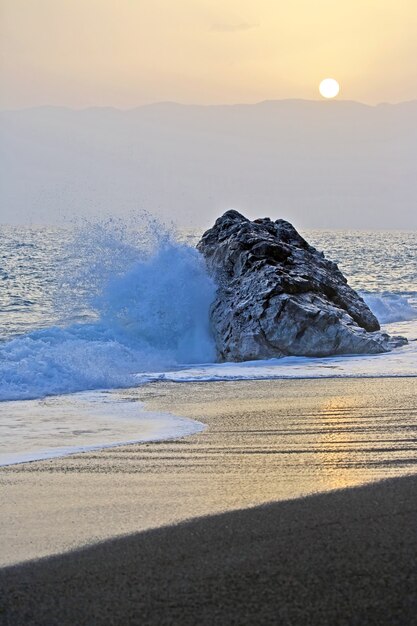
400	362
391	307
59	426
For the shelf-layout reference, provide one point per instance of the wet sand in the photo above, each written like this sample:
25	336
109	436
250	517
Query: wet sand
265	441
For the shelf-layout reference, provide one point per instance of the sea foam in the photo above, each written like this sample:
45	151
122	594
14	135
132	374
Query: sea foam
391	307
62	425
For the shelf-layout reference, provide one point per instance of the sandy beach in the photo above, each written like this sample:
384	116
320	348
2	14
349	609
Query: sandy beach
197	550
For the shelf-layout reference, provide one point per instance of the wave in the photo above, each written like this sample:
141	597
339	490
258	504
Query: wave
391	307
151	306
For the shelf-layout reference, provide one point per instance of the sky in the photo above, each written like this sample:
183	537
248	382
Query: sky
124	53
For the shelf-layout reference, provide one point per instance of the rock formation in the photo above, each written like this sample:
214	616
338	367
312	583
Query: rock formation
279	296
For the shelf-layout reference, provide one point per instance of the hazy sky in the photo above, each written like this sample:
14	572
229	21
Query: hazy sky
128	52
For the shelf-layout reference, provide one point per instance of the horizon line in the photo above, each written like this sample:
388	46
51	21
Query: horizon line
315	101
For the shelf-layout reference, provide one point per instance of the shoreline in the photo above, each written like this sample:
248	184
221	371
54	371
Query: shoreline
47	456
57	426
69	451
265	441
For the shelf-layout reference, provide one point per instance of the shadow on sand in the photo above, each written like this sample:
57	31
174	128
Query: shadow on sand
345	557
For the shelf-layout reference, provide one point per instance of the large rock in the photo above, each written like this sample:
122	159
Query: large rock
279	296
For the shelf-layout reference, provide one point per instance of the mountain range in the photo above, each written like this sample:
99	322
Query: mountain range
319	164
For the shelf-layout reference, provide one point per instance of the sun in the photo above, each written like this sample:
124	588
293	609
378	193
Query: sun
329	88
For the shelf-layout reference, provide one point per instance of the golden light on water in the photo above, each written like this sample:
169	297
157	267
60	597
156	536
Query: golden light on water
329	88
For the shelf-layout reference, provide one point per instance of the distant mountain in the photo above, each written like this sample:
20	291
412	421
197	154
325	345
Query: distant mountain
319	164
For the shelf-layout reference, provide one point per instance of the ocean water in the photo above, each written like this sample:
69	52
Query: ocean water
89	310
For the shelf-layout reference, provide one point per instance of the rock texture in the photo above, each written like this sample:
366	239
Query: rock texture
279	296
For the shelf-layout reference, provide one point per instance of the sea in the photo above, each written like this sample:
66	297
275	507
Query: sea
91	310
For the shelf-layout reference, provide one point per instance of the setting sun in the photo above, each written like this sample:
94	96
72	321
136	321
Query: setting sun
329	88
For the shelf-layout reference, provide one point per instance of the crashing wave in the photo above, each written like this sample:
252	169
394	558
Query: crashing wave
391	307
152	311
